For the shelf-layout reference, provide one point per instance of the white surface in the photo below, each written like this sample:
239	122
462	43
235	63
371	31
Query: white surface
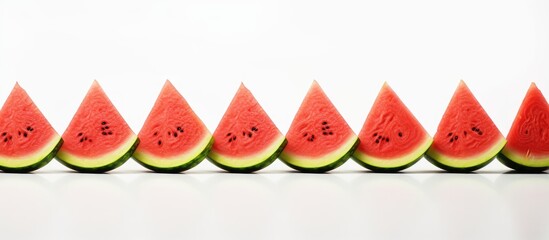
422	48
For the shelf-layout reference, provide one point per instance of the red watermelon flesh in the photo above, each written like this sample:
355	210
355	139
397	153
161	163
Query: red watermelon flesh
246	136
97	136
318	136
391	136
466	137
27	140
24	128
173	134
528	139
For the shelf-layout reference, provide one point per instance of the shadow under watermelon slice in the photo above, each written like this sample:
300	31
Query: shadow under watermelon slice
97	139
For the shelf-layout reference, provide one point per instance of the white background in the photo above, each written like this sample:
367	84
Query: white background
206	48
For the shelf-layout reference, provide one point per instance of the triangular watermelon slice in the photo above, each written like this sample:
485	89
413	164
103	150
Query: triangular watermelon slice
97	138
319	139
466	139
173	138
527	148
391	139
246	139
28	141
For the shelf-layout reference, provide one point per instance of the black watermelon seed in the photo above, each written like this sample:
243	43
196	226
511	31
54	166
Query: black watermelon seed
104	133
106	127
377	140
243	133
19	133
324	123
169	133
450	134
305	134
79	134
323	128
9	137
479	132
178	128
103	123
4	134
375	135
249	134
28	128
155	133
81	139
254	129
465	133
110	133
234	137
327	127
324	133
331	133
229	134
451	140
230	139
400	134
175	134
526	132
25	134
159	142
102	129
386	139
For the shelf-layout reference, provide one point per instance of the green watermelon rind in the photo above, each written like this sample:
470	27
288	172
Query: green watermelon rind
387	169
39	164
105	168
180	168
517	166
410	158
326	168
256	167
486	158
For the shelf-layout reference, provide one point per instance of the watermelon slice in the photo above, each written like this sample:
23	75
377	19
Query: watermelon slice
246	139
97	138
173	138
466	138
28	141
391	139
319	139
527	149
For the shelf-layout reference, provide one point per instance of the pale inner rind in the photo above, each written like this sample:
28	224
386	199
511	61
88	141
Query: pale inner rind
397	161
30	159
174	161
528	160
99	161
321	161
243	162
467	162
